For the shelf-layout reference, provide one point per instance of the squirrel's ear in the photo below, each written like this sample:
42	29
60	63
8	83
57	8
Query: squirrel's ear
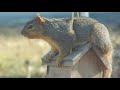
38	17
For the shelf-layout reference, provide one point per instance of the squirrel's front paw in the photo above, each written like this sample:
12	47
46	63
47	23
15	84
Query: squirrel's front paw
47	58
59	62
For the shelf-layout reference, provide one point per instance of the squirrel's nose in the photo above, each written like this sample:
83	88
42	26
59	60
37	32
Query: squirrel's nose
22	33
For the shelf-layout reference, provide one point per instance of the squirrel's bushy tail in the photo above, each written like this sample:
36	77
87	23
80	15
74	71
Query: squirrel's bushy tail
100	37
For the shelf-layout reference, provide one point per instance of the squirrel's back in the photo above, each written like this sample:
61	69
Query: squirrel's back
82	27
88	29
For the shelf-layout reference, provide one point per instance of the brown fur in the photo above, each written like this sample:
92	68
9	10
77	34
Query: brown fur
64	34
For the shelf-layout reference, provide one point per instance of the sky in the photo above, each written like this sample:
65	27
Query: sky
32	13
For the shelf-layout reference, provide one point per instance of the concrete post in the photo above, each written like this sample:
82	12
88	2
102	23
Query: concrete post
86	14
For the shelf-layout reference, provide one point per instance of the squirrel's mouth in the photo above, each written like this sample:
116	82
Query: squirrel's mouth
25	35
30	36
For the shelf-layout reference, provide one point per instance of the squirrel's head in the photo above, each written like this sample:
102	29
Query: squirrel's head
34	28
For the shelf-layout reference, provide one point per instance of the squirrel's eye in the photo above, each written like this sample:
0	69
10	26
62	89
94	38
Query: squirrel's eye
30	26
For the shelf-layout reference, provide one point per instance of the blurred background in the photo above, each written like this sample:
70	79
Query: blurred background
20	57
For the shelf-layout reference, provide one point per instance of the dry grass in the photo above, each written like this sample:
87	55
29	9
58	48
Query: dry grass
16	49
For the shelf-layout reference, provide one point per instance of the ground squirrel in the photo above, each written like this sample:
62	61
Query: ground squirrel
63	35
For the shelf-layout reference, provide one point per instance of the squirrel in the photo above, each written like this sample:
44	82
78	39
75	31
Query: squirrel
64	34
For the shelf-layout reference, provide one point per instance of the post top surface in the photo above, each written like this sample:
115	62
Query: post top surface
73	58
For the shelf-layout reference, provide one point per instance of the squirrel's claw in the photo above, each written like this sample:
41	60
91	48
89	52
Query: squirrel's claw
46	59
58	62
